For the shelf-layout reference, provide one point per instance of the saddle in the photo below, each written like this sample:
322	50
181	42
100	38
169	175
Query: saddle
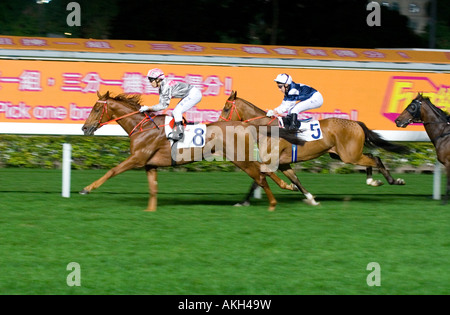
193	133
291	122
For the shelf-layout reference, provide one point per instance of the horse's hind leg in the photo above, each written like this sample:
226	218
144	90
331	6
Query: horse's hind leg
369	178
369	160
246	201
387	175
289	173
152	177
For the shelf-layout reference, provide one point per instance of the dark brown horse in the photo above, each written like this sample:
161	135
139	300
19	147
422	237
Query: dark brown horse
437	126
342	138
150	148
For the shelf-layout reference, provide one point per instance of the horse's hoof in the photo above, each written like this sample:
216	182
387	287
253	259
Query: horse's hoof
84	192
293	187
272	208
311	202
242	204
399	181
150	210
373	182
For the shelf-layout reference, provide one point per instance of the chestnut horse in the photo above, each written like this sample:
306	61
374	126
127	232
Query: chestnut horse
150	148
437	126
342	138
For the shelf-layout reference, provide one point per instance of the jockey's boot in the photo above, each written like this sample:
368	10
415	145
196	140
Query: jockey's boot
295	122
178	131
287	121
291	122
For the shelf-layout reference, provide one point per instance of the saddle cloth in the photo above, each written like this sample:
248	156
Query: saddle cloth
309	130
194	135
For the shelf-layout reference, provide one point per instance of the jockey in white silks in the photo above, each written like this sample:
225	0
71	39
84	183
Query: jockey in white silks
297	98
168	89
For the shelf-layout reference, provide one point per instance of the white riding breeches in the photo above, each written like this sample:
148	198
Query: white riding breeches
315	101
192	99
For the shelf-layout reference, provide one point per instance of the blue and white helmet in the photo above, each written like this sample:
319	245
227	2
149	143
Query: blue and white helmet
283	78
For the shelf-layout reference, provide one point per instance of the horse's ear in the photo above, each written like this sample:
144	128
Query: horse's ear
232	96
107	94
99	95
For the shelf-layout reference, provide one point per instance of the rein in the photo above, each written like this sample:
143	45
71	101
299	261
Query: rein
105	111
414	110
140	124
233	108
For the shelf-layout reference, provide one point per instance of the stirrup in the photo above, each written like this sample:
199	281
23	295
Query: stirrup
178	132
177	136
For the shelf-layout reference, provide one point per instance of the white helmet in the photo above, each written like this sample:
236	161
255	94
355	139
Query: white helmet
155	74
283	78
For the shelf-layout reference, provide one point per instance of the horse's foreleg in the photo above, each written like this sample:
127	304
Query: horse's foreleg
447	190
289	172
253	170
152	177
281	183
126	165
263	183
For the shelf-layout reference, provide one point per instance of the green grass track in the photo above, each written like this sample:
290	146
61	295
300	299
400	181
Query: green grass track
198	243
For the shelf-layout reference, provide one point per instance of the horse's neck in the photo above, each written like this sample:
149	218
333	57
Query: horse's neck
434	124
127	123
250	111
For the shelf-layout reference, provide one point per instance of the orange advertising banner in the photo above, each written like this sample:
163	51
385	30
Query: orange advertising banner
55	97
223	49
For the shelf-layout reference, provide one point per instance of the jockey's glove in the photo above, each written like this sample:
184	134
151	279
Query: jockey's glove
270	113
144	109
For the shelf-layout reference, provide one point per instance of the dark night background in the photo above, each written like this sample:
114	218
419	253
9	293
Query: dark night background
339	23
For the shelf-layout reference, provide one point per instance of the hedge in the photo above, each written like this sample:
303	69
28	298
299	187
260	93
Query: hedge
101	152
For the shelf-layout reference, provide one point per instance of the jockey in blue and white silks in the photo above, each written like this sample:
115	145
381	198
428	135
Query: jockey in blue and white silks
297	98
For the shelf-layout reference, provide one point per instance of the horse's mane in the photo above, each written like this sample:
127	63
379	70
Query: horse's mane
250	104
134	101
439	111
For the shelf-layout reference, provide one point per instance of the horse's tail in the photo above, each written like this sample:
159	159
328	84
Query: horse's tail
374	140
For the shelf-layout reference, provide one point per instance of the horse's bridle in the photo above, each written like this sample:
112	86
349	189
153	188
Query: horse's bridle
414	110
105	111
233	108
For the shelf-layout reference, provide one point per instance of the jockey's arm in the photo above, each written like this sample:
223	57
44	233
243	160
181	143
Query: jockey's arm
164	101
284	107
158	107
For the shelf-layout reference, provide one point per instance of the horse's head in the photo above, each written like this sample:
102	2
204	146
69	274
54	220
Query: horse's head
230	111
412	112
98	115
